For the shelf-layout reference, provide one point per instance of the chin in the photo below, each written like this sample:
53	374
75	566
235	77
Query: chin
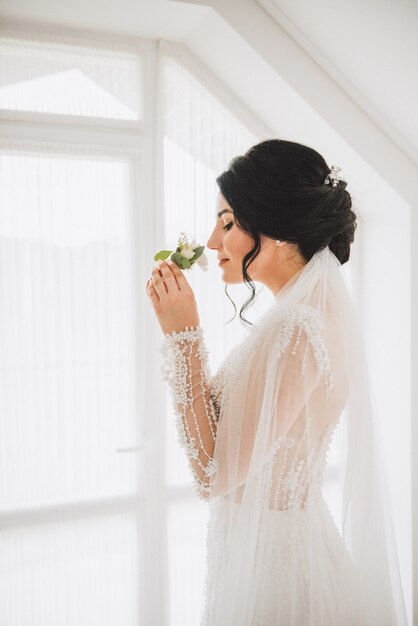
230	279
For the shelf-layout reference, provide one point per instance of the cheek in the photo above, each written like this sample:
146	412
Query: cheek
238	243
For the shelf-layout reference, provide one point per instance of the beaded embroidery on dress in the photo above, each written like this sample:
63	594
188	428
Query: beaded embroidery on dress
256	435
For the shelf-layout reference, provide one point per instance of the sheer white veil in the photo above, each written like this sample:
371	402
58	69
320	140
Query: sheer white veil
299	373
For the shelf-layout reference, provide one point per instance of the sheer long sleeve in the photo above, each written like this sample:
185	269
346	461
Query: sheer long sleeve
186	372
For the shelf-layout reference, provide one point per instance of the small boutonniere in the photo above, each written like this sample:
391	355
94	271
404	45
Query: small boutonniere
185	255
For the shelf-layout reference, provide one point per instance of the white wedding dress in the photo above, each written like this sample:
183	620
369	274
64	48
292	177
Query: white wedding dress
256	434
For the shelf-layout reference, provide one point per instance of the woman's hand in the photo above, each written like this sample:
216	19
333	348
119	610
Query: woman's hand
172	298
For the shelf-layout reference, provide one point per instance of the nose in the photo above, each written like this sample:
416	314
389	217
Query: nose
211	243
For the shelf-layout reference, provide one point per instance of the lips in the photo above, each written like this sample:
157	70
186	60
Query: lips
222	261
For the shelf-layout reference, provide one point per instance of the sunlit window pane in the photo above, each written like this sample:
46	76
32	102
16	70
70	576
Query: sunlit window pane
83	572
67	396
186	534
66	79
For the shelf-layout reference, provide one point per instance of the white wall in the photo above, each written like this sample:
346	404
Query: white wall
384	293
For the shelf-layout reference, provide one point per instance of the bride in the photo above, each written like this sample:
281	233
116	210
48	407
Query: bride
256	432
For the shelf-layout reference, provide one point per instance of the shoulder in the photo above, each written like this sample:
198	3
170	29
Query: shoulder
299	318
302	328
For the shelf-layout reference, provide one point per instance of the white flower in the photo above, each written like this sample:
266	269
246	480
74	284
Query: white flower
202	261
184	250
187	252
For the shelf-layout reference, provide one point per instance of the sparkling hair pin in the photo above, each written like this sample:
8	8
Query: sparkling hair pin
334	176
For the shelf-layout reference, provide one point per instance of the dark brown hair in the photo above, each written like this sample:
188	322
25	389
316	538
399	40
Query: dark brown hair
277	189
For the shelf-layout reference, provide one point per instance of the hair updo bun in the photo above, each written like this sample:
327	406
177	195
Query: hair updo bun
340	211
340	243
277	189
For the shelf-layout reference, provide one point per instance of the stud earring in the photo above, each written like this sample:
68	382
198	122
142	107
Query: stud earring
277	242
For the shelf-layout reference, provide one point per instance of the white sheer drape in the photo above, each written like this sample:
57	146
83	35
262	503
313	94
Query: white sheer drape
67	392
71	533
43	75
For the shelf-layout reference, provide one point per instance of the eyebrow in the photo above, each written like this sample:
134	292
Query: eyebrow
224	211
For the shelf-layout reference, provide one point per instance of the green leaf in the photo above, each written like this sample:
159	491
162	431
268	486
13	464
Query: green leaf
186	263
177	258
197	252
162	254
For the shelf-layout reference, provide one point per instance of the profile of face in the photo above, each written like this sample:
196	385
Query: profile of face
232	244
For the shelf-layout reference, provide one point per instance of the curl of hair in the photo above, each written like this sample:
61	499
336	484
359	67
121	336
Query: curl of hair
277	189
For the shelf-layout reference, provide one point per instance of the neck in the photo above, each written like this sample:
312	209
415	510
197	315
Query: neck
276	283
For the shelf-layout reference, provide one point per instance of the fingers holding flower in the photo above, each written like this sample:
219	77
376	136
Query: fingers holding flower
172	298
164	280
170	293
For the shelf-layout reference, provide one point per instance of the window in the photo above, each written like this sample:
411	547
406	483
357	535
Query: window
71	79
72	546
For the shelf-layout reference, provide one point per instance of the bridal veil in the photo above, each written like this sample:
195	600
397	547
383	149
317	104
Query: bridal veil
282	391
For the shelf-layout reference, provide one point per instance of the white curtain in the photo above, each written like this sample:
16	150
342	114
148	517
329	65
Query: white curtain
71	532
67	393
62	76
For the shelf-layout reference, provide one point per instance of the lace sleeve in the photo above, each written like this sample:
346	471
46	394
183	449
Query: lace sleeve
185	370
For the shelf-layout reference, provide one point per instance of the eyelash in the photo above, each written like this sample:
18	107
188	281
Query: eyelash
227	226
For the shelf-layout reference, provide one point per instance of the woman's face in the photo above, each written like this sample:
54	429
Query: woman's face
273	266
232	244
